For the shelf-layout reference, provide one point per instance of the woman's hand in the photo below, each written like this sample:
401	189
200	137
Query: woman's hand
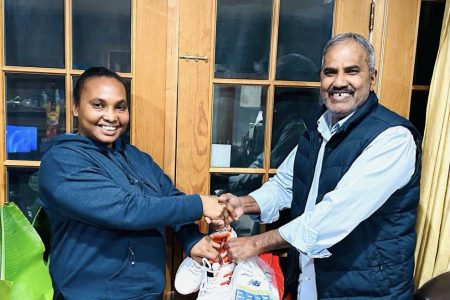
207	248
215	210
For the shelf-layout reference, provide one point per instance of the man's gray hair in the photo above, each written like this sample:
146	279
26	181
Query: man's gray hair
367	46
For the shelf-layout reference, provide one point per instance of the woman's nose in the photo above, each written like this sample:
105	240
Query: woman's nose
110	115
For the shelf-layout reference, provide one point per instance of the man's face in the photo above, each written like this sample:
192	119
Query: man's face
345	79
102	110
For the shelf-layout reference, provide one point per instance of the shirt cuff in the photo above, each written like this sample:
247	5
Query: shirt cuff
269	211
303	238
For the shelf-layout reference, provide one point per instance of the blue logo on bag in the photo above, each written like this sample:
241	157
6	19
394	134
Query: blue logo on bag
248	295
254	282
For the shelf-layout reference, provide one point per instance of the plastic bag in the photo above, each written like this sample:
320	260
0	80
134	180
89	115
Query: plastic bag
253	279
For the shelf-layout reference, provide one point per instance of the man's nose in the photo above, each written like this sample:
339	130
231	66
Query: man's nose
340	81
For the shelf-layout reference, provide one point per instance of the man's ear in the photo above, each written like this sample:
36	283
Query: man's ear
373	78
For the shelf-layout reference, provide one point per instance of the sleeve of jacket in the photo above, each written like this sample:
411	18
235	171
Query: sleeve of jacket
75	187
187	233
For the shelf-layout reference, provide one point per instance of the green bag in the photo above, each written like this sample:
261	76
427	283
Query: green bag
23	275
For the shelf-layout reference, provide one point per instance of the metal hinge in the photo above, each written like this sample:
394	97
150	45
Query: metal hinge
372	16
196	57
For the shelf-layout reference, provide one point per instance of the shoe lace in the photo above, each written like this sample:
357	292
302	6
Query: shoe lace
208	282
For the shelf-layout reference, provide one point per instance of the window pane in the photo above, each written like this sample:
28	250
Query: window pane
102	34
126	135
430	23
35	113
34	33
305	27
240	185
23	189
238	126
291	105
243	38
417	113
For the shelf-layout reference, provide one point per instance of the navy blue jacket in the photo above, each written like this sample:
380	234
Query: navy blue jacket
376	260
109	208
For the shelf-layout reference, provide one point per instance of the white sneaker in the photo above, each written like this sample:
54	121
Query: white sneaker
216	282
189	276
222	237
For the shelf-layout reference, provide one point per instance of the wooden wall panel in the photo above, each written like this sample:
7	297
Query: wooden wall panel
352	15
173	16
194	91
149	84
378	34
398	54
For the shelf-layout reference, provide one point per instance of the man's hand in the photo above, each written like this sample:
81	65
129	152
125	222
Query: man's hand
234	201
235	209
241	248
245	247
206	247
215	210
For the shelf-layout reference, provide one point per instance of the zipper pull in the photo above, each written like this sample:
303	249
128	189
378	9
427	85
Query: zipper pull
131	178
132	257
151	186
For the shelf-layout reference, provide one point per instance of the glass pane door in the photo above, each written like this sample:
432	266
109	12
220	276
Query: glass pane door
41	61
266	79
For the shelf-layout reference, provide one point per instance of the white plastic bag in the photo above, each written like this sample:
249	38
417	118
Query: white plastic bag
253	279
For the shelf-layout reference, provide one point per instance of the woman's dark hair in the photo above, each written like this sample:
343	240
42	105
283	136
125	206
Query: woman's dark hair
92	73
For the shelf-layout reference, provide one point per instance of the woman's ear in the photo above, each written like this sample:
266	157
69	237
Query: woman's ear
75	109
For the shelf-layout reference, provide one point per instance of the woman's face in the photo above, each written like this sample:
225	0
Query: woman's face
102	110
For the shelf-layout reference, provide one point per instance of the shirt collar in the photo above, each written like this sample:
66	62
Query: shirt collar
325	121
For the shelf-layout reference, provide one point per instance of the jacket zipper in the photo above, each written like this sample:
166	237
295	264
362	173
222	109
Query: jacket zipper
130	177
144	181
132	257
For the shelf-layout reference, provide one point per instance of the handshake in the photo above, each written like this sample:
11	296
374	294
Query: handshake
221	211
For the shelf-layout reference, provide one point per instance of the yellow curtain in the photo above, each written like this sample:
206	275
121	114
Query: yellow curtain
433	225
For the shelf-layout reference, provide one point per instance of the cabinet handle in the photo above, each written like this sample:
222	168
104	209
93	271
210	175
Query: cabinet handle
196	58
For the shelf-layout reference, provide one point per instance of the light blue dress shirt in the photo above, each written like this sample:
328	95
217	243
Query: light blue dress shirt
386	165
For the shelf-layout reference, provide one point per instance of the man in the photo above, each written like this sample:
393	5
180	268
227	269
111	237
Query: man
352	185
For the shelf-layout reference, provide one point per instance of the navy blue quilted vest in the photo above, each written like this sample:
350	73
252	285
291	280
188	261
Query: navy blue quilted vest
376	260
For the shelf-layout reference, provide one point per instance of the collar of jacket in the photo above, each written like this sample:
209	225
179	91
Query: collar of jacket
361	112
118	145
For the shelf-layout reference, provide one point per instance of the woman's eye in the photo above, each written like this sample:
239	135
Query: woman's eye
122	107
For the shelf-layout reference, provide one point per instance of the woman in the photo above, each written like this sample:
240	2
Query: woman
109	203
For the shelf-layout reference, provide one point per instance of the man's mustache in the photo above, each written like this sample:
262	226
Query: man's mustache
347	90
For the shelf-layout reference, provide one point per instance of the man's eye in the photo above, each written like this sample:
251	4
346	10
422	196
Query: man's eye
97	105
